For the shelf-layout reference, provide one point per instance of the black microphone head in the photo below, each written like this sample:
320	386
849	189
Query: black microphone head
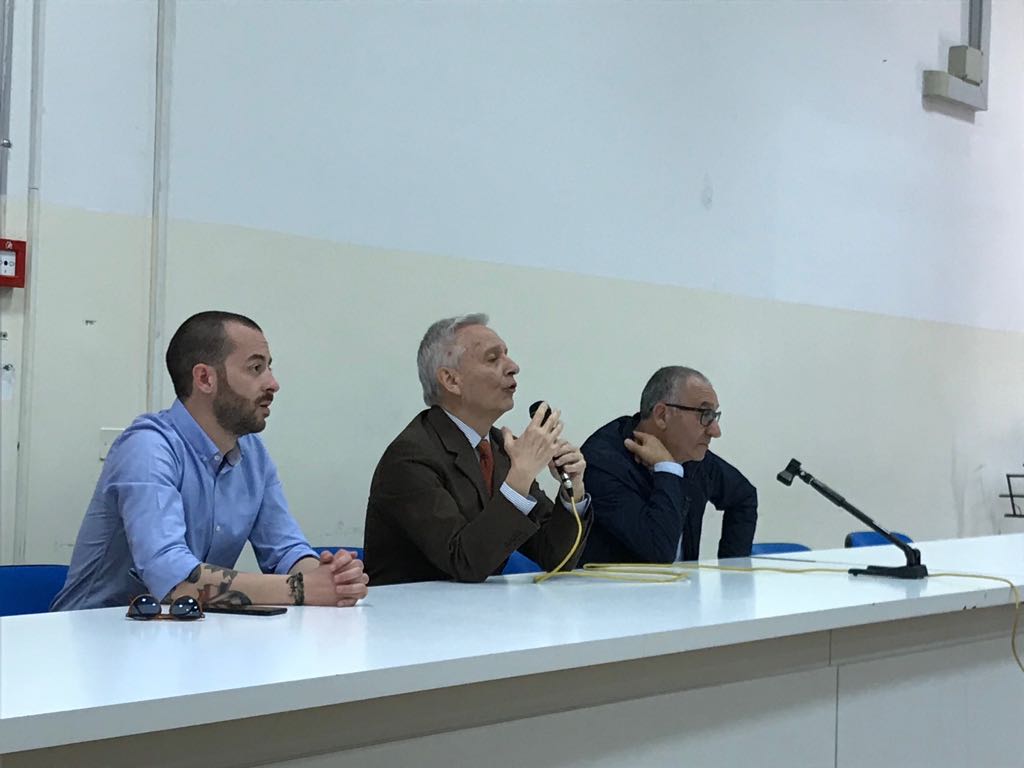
786	476
533	411
566	481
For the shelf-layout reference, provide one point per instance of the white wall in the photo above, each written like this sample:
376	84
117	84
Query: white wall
752	188
89	257
768	149
12	302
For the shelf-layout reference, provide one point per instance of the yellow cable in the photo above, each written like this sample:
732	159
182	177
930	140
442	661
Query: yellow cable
666	573
706	567
1016	606
635	573
540	578
766	569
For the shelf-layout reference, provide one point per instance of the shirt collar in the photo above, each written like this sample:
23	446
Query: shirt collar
197	438
471	434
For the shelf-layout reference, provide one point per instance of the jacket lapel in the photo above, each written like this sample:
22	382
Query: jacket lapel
467	461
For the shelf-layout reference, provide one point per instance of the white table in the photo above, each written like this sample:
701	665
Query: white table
816	669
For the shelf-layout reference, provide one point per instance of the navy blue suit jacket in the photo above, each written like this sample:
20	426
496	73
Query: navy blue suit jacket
639	515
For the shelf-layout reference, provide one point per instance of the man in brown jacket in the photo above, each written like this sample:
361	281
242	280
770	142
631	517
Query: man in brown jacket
452	497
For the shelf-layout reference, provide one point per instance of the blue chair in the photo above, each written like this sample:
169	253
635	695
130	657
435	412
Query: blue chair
873	539
518	563
29	588
776	547
357	551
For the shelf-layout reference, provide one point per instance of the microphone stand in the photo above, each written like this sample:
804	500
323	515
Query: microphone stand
914	569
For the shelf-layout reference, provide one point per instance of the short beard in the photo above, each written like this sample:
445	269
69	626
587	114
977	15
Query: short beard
233	412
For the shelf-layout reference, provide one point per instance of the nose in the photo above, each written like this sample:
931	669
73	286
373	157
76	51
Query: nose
513	368
715	430
273	386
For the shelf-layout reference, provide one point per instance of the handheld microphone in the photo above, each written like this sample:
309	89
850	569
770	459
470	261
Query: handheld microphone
562	475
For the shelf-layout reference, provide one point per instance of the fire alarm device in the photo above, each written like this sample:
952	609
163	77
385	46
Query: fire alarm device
12	263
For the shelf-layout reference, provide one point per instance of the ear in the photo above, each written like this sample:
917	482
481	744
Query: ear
659	414
204	379
450	381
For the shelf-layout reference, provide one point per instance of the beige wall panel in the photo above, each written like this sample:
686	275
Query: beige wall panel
911	420
90	362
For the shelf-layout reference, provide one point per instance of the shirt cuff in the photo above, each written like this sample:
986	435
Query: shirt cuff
669	466
291	558
524	504
581	506
162	577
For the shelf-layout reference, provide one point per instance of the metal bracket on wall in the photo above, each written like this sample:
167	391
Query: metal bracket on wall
965	80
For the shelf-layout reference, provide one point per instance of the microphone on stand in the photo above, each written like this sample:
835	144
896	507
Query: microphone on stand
786	476
562	475
914	569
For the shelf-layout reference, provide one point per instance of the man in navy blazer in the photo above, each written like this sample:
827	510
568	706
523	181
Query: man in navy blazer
652	474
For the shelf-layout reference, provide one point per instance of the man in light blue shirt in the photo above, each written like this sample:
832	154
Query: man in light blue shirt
182	490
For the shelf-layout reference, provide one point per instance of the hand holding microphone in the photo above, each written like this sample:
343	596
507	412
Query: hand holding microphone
567	468
564	453
542	436
533	449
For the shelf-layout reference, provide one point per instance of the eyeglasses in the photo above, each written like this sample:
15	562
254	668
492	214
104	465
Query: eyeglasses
147	607
707	415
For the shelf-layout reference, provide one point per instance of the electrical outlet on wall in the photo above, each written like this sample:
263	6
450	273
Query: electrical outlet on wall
107	437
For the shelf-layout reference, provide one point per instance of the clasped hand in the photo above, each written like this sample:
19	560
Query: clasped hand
338	580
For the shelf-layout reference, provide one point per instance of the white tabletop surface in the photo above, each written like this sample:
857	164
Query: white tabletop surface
84	675
978	555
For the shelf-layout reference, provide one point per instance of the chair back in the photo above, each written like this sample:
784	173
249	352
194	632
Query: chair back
873	539
518	563
29	588
776	547
357	551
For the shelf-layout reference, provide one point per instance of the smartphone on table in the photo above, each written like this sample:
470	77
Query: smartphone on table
247	610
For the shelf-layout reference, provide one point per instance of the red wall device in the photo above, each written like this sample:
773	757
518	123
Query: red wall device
12	263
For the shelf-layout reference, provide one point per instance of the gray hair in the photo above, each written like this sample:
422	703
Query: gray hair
439	350
663	384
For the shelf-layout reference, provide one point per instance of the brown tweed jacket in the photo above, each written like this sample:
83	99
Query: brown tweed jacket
429	517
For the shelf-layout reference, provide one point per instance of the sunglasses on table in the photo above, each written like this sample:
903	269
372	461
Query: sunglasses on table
148	608
708	416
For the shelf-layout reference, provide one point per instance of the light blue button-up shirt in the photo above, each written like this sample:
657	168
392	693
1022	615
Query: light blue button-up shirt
167	501
673	468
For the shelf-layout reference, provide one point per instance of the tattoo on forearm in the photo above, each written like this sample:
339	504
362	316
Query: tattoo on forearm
213	570
233	598
219	593
296	588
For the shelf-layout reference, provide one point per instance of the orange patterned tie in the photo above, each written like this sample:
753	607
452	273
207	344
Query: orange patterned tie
486	464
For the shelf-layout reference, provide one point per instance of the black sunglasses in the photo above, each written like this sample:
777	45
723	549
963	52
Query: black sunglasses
708	416
147	607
